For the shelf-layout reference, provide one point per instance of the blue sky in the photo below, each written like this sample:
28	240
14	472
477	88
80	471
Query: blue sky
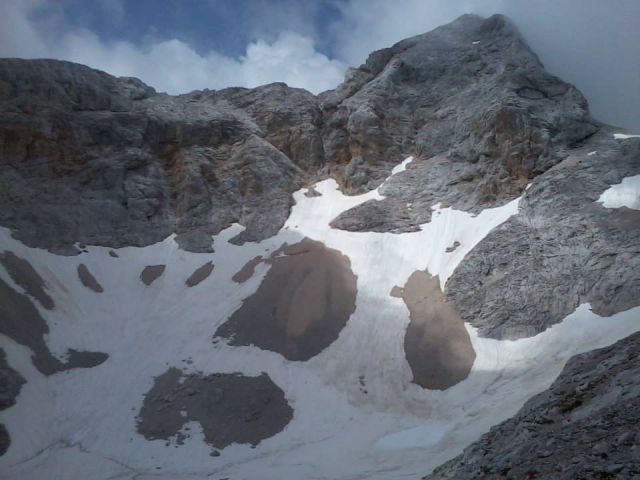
181	45
226	26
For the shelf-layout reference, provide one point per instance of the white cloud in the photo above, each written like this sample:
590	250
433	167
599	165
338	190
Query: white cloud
170	65
369	25
591	43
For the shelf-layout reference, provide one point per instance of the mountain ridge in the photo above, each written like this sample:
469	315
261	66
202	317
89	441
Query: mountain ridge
455	136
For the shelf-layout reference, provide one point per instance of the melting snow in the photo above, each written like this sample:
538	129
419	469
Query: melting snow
82	424
624	194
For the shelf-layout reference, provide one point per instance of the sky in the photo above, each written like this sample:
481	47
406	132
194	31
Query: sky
182	45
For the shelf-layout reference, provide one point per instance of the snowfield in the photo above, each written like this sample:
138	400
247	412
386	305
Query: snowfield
82	423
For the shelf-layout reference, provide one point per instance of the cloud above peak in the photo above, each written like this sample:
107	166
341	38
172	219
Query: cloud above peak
169	65
178	46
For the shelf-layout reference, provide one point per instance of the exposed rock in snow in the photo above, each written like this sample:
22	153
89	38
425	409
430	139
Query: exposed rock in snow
21	322
230	408
200	274
10	384
302	304
247	271
151	273
437	345
23	274
88	280
584	426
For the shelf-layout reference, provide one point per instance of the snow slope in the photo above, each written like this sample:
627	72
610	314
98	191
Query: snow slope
82	423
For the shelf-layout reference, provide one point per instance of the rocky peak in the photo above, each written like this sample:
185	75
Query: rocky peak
147	164
472	90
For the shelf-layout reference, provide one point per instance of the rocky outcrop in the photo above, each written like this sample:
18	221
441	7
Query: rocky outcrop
10	384
21	321
472	90
95	159
562	249
583	427
230	408
302	304
90	158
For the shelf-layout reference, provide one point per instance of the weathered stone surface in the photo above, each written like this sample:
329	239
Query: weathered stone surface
108	161
302	304
246	272
86	158
463	91
21	321
26	277
231	408
585	426
10	384
200	274
90	158
562	249
151	273
88	280
436	344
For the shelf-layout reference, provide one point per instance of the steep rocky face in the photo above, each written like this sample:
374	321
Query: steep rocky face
584	426
472	90
94	159
90	158
562	249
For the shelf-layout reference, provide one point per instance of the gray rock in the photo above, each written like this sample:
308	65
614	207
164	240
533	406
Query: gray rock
490	104
199	274
100	160
569	431
231	408
26	277
88	280
10	384
302	304
151	273
90	158
562	249
21	322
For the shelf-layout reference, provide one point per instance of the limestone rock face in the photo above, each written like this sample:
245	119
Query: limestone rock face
472	90
584	426
90	158
562	249
94	159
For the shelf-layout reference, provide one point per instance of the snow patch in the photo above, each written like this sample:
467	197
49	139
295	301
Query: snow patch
88	428
623	194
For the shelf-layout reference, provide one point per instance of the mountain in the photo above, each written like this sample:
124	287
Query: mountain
382	281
